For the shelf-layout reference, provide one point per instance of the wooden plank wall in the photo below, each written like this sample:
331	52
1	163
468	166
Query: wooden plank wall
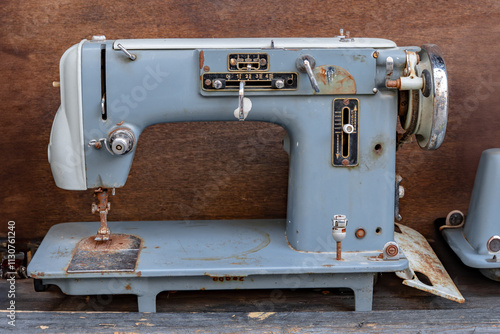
211	171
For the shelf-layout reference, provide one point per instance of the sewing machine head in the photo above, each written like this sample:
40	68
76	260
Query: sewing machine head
338	100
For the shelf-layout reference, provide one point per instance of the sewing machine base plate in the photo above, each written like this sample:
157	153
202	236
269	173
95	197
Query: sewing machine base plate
204	255
469	256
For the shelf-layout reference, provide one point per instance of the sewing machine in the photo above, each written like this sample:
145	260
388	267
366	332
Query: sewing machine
338	99
476	240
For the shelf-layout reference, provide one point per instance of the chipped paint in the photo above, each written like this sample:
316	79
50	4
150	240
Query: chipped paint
334	79
202	59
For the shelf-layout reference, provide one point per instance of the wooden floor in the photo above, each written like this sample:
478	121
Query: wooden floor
396	309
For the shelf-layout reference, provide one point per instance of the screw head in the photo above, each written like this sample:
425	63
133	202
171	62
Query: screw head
455	218
391	249
217	84
493	244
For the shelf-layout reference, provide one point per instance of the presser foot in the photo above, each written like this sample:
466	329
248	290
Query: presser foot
103	234
425	271
103	207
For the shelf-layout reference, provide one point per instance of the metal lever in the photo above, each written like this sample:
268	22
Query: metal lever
241	115
241	98
126	52
306	63
310	74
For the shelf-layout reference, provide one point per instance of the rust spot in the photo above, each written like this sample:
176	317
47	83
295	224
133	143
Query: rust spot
139	274
322	75
115	243
392	250
360	233
128	287
393	83
334	80
120	252
202	59
424	261
339	249
345	162
327	265
41	274
203	289
121	123
206	68
157	246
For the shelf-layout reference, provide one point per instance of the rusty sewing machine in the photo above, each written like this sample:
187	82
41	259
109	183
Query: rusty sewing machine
338	100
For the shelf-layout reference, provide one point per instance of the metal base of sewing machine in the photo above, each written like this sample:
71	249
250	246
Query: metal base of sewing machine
199	255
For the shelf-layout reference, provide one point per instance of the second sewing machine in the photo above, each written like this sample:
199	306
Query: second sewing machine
338	100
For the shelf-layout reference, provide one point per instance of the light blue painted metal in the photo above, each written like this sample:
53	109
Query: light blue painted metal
483	218
317	190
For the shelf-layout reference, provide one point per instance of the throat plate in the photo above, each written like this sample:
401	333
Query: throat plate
120	253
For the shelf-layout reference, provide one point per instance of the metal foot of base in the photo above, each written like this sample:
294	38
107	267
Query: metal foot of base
363	298
147	289
147	303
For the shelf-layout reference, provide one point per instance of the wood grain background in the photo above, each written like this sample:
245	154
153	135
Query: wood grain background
217	170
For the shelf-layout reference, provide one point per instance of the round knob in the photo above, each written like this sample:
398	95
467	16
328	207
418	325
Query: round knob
121	141
339	234
348	128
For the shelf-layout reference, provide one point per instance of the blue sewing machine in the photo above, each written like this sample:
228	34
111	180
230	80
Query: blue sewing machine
338	99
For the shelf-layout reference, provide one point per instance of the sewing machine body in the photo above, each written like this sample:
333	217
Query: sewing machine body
164	86
333	172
